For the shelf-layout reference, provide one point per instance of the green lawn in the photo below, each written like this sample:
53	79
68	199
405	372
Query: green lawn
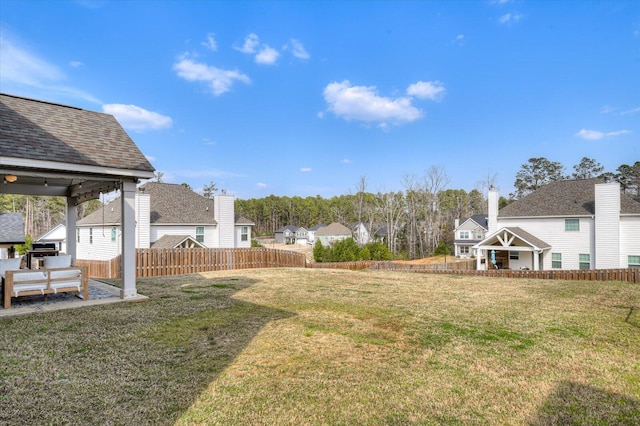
313	346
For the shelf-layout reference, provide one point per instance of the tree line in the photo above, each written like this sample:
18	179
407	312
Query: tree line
417	218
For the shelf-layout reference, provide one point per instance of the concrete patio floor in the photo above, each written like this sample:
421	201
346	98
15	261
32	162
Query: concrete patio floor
99	294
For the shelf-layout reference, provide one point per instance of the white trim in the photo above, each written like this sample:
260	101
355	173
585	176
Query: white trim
70	167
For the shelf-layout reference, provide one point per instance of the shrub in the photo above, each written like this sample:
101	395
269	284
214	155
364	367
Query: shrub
442	249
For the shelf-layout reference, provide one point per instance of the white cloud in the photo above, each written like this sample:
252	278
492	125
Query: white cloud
618	133
510	18
75	64
297	49
607	109
22	69
136	118
150	158
251	43
267	55
433	90
631	111
305	170
20	66
459	39
211	42
219	80
261	185
364	104
594	135
346	161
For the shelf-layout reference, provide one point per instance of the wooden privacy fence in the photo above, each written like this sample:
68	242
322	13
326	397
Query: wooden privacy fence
631	275
157	262
456	265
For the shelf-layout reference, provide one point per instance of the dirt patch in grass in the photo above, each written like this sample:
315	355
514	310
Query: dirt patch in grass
314	346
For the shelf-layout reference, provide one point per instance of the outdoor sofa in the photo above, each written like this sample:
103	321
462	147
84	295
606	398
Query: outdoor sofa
57	276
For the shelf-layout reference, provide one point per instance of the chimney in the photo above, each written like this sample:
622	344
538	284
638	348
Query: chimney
224	214
607	225
492	198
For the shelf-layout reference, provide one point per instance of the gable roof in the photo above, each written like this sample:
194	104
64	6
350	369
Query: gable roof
290	228
169	204
38	130
318	226
479	219
516	232
241	220
574	197
174	241
11	228
334	229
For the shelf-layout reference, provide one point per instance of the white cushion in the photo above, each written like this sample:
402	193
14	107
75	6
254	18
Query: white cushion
9	264
62	261
29	276
66	273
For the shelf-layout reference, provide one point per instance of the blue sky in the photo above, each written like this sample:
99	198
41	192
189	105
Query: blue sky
304	98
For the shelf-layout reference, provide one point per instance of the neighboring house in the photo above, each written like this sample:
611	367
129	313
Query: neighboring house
56	235
165	210
286	234
311	233
302	236
364	233
11	233
469	232
333	233
568	224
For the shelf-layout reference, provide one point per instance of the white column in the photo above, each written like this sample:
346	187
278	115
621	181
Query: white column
128	221
536	260
72	215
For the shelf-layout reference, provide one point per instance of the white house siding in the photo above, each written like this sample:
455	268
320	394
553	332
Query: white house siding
224	214
143	226
210	233
238	237
102	248
629	239
607	226
551	230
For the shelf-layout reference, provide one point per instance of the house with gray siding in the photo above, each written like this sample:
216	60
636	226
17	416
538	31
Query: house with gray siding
567	224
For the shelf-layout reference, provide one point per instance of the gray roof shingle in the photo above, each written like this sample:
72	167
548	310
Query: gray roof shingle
334	228
11	228
564	198
169	204
38	130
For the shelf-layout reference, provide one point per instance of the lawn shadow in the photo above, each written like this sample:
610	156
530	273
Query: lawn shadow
128	363
578	404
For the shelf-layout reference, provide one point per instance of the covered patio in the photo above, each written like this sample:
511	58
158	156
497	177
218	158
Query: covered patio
49	149
510	248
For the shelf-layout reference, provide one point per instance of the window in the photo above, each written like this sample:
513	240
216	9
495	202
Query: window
556	260
585	261
479	235
200	234
78	235
514	255
572	224
90	235
464	235
634	261
464	250
113	233
244	233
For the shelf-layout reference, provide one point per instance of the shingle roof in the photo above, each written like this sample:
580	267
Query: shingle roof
11	228
564	198
524	235
334	229
291	228
38	130
481	219
169	204
318	226
173	241
241	220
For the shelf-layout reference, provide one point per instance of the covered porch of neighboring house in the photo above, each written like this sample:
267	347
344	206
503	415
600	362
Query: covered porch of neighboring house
49	149
510	248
